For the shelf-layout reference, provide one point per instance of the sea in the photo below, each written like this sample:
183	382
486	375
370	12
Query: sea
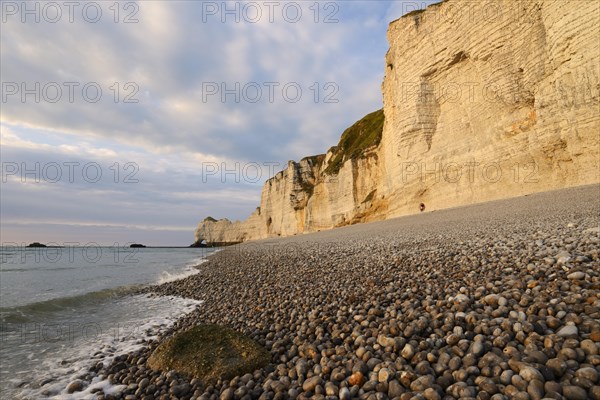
65	309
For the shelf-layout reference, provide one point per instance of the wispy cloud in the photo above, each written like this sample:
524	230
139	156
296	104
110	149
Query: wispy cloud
159	110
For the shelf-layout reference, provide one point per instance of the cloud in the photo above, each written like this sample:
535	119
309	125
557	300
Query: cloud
159	111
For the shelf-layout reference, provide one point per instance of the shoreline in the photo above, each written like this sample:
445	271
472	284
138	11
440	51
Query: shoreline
490	298
51	338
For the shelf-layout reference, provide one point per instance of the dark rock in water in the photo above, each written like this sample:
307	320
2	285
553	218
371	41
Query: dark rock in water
75	386
137	245
208	353
36	244
46	381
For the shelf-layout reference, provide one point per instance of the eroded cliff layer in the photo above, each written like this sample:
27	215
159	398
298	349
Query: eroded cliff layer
482	101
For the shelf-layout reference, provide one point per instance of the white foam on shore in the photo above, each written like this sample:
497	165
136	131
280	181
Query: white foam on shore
189	270
147	317
170	277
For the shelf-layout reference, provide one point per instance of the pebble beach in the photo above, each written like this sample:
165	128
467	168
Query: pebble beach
497	301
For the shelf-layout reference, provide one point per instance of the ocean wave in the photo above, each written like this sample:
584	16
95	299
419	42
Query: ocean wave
34	311
142	318
188	271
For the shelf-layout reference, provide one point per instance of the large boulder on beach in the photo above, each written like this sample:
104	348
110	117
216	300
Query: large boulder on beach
209	352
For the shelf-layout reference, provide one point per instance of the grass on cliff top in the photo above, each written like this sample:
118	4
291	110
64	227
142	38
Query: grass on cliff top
360	136
315	160
208	353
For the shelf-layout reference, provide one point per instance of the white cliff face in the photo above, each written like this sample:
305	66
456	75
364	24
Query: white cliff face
481	102
303	198
487	102
343	198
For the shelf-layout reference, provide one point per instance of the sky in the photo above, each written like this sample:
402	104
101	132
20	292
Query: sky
130	121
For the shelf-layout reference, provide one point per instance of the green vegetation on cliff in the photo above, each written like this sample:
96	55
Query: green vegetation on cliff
314	160
356	139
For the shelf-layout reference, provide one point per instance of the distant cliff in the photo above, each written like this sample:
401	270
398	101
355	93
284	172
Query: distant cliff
480	103
319	192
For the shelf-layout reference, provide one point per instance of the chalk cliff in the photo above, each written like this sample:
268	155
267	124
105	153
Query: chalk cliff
482	101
